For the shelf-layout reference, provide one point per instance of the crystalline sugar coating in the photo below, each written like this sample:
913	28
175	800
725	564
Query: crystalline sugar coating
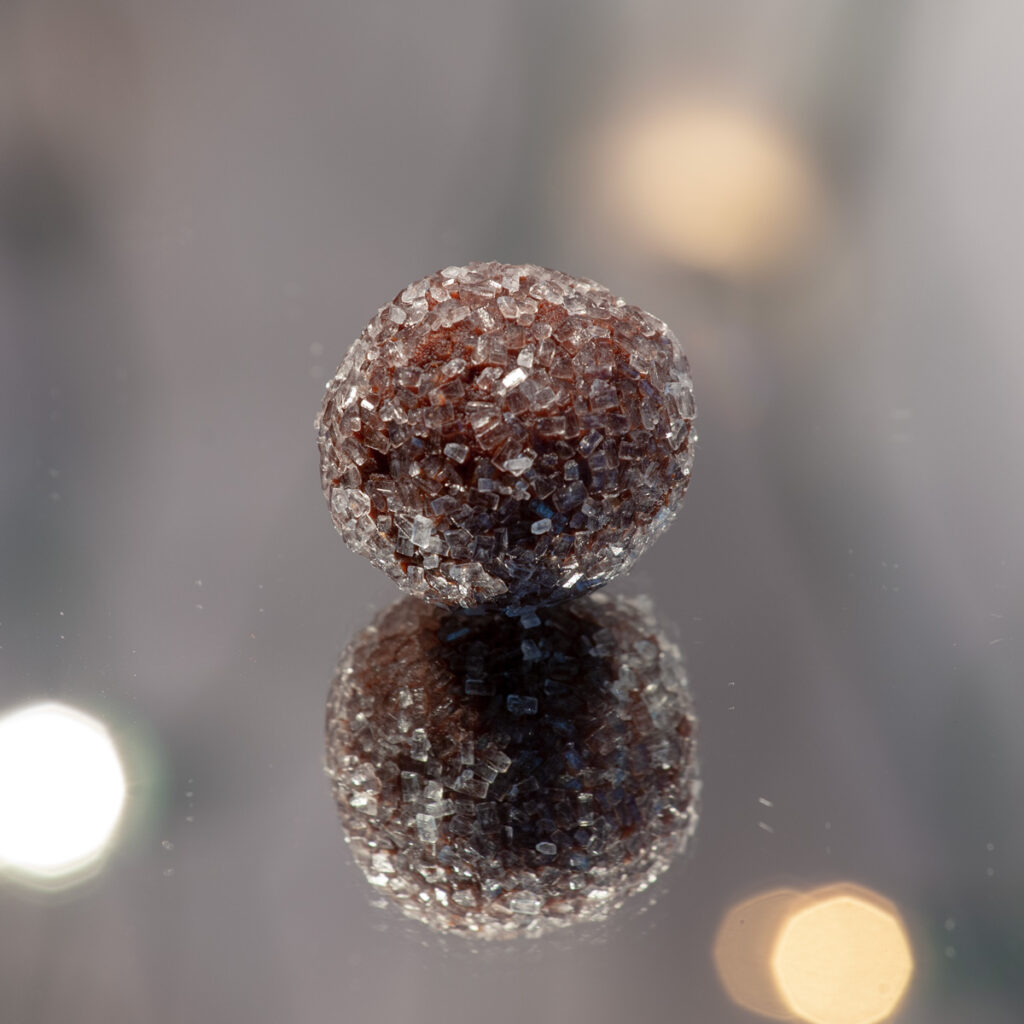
458	438
483	820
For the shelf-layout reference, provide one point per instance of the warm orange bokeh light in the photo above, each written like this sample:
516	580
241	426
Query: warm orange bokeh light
837	955
842	957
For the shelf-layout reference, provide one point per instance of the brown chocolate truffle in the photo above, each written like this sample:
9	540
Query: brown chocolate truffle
506	436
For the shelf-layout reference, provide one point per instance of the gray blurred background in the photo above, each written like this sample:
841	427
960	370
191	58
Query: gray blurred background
201	204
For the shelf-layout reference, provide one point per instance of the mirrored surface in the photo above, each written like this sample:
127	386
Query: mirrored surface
202	205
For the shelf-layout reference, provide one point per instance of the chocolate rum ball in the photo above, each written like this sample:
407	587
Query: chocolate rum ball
506	436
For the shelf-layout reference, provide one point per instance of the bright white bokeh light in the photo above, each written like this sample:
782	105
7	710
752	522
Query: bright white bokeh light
62	790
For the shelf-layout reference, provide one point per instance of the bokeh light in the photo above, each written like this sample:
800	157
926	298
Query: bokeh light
708	186
842	957
62	791
836	955
743	951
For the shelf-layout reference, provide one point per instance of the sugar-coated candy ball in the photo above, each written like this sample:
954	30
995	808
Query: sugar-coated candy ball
500	776
506	436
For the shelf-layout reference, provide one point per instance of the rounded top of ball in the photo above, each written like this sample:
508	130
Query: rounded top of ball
506	435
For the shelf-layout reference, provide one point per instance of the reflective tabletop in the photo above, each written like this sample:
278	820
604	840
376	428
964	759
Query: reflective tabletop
779	774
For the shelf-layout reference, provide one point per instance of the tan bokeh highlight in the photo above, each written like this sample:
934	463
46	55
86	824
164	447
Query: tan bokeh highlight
707	185
835	955
743	951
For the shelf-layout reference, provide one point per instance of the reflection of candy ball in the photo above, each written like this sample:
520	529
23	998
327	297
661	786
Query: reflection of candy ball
506	435
495	779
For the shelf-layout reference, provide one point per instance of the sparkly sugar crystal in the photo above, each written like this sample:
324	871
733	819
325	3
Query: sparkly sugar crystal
506	436
426	828
518	705
486	821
